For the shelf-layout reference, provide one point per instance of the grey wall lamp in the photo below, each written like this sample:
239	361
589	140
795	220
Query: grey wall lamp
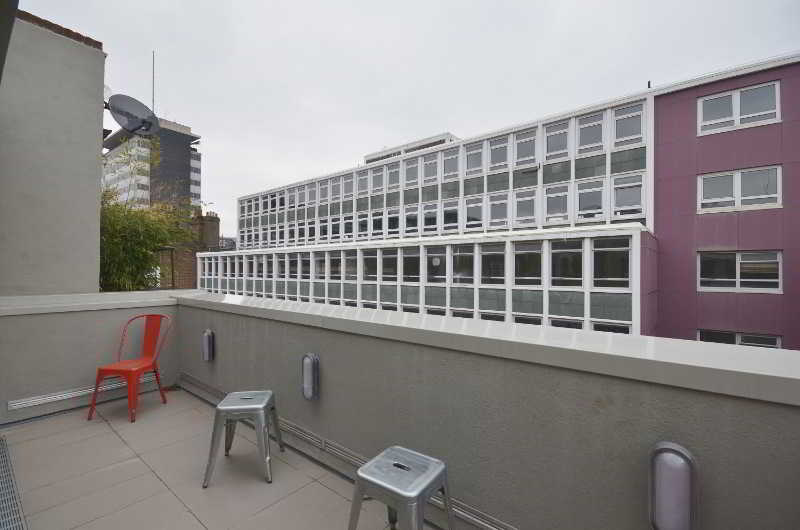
309	370
208	345
672	487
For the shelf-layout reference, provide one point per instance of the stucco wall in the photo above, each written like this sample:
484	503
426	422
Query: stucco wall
536	446
51	104
680	156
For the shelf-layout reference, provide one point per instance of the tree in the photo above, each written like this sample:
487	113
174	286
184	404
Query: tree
130	239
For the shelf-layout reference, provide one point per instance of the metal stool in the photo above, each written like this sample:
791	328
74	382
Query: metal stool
240	406
403	480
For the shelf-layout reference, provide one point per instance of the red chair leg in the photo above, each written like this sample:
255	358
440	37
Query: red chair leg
97	382
133	395
160	389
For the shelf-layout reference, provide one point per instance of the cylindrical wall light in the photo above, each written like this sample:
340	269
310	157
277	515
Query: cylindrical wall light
208	345
310	375
672	487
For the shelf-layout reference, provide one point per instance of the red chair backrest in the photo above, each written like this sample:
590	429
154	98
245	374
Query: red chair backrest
151	346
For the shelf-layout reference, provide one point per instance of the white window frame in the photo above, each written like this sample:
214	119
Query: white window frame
498	143
737	192
736	118
472	202
377	172
634	140
595	215
527	136
450	154
563	217
737	288
428	161
613	198
529	195
410	163
493	200
553	129
471	149
585	122
393	169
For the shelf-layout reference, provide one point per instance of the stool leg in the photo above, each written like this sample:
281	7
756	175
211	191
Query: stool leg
411	517
355	506
216	434
448	504
273	412
230	431
262	437
392	513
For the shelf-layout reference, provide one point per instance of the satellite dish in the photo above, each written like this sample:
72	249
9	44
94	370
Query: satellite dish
133	115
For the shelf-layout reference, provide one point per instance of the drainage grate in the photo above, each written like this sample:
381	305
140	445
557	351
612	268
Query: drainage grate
11	516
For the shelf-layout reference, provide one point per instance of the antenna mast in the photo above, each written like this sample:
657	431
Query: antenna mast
153	85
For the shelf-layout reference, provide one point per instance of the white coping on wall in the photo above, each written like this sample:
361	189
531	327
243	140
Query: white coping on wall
64	303
743	371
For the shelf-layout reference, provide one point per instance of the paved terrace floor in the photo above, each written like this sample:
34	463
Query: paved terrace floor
111	474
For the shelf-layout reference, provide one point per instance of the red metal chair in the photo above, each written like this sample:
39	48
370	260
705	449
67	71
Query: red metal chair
132	369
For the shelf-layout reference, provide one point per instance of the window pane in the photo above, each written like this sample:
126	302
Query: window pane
492	299
717	187
450	190
611	306
462	297
590	200
718	108
497	182
463	264
493	263
473	186
628	196
436	264
409	294
724	337
766	341
630	126
369	292
557	172
591	135
628	160
526	149
389	266
435	296
718	269
371	265
566	303
525	178
760	182
611	268
557	142
758	271
611	328
556	205
592	166
523	301
567	268
527	268
757	100
572	324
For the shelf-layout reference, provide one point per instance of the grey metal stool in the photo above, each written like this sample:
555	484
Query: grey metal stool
241	406
403	480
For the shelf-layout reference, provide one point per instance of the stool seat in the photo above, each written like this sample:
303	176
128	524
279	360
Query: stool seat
404	472
245	401
257	406
404	480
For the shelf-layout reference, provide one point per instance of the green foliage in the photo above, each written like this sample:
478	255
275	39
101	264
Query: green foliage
130	240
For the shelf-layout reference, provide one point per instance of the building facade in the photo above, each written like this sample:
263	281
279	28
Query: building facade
161	169
51	111
555	222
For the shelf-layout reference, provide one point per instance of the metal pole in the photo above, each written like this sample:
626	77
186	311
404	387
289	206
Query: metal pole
153	82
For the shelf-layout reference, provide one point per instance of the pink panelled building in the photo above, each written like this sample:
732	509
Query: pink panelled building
727	208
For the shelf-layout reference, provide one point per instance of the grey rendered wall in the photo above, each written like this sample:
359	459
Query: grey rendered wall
51	99
53	352
533	445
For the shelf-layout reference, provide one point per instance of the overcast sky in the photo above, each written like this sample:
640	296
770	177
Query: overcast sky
284	91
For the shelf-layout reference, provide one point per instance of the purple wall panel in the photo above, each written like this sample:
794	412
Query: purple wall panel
680	155
649	284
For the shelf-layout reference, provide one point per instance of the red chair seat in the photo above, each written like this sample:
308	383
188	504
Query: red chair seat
128	365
